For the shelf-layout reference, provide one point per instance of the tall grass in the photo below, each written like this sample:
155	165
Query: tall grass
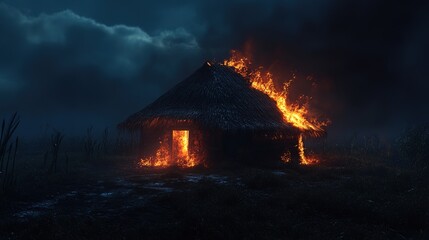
105	141
90	144
56	139
8	151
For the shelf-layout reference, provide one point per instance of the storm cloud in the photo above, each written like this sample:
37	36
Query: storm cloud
63	64
90	62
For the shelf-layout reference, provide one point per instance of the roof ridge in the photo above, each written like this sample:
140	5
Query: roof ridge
214	96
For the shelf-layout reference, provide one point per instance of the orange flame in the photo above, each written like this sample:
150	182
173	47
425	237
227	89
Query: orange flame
179	155
161	158
304	159
293	113
181	149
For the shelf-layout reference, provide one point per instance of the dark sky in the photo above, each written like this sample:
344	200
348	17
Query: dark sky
69	64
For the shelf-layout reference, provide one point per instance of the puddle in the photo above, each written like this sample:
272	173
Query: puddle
45	204
218	179
71	194
28	214
193	178
155	184
95	198
159	186
278	173
106	194
36	209
41	207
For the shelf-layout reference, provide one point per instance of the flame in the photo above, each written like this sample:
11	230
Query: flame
293	113
181	149
304	159
179	155
161	158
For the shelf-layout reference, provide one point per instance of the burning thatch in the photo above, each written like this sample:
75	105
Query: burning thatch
219	116
214	97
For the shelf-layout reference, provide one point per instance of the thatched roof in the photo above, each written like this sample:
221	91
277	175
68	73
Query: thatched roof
214	97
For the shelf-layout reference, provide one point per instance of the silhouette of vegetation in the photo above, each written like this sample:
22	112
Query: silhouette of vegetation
356	192
90	144
105	141
8	151
56	139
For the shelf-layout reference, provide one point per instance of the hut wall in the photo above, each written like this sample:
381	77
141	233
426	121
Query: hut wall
212	147
151	137
257	148
150	140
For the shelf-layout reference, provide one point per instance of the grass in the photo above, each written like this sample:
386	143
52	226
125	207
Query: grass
354	194
306	203
276	207
8	151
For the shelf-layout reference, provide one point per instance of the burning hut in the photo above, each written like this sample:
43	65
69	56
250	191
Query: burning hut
213	115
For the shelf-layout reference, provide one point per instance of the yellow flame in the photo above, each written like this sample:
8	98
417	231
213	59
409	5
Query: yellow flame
181	149
161	158
179	156
305	160
295	114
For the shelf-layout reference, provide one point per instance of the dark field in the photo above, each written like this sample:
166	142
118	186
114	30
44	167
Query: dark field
110	198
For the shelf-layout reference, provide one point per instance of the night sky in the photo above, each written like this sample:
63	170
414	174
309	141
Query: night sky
69	64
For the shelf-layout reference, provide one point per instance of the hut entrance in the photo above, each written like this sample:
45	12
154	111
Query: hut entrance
174	150
180	146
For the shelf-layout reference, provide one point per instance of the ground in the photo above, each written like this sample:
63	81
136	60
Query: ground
113	199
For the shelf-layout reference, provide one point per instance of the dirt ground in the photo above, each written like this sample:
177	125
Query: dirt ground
117	200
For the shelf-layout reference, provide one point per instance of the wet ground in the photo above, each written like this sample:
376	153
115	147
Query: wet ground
111	197
124	202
